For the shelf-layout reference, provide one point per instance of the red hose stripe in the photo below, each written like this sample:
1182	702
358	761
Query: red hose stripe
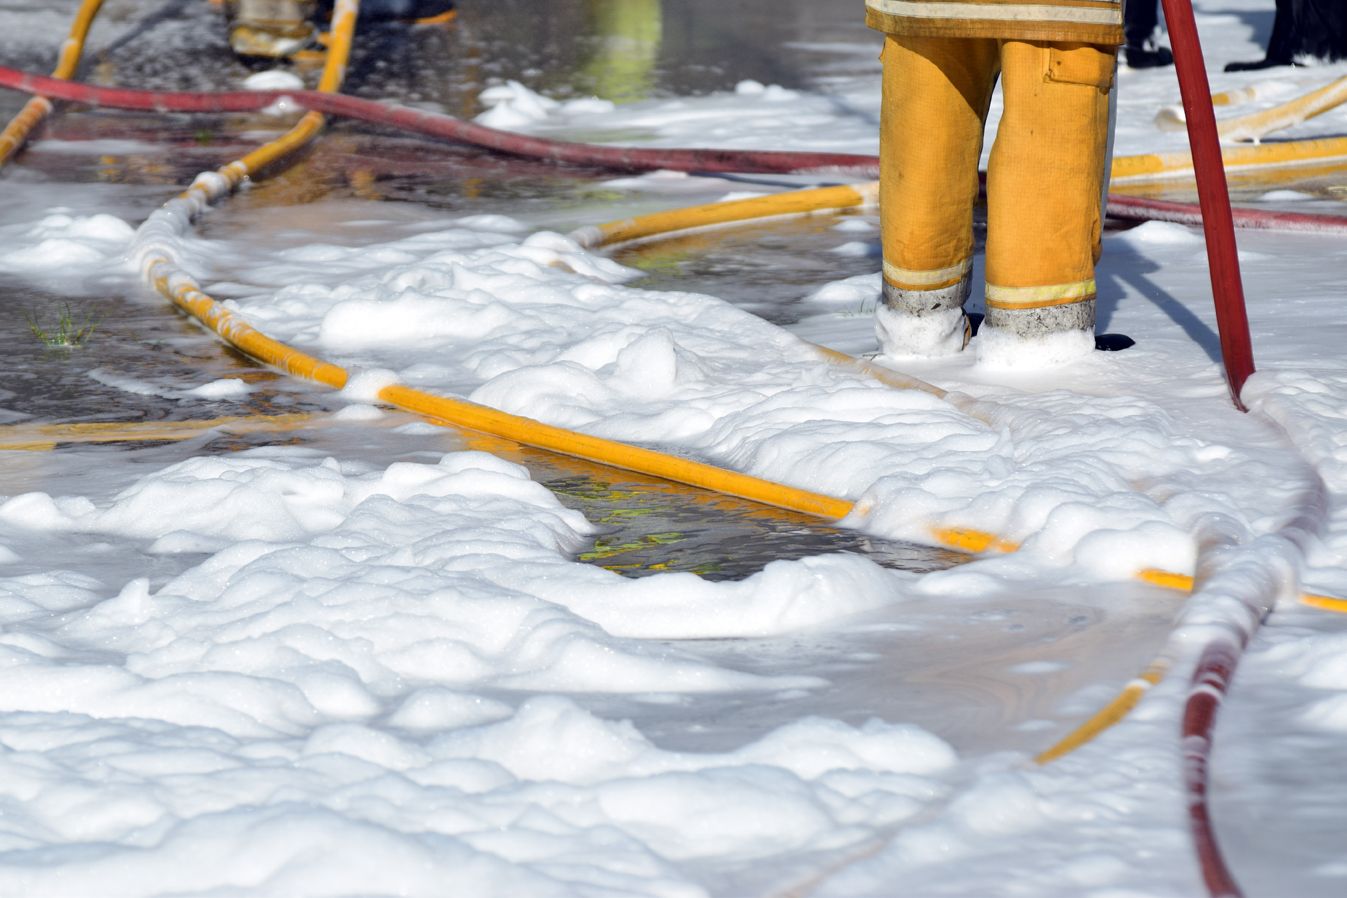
1211	681
1136	208
1232	321
445	127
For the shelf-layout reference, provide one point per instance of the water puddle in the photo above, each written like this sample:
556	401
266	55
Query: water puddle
652	527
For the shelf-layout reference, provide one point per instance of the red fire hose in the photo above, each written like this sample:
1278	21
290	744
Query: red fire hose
1232	320
1211	682
446	128
1139	209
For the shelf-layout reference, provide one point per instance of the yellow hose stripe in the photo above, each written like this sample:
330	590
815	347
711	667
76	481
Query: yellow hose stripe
1264	155
1171	580
886	376
1109	715
48	436
36	109
1325	603
975	542
16	132
1167	579
1285	115
795	202
462	413
443	18
243	336
1235	96
339	51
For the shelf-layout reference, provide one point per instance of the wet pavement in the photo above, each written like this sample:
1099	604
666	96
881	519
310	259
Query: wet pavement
142	357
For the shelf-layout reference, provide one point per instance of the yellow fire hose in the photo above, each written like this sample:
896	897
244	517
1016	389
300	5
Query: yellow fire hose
38	108
1108	715
43	437
1324	151
794	202
1255	125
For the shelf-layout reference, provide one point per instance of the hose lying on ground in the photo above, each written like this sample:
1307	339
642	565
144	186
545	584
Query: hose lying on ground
1135	169
36	109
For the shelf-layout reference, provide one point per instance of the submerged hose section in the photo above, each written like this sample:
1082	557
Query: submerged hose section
1111	714
39	107
45	437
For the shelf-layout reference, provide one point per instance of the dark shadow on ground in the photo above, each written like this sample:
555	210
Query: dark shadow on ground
1126	267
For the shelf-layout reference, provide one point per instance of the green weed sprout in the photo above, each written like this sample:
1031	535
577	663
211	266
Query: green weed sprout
69	331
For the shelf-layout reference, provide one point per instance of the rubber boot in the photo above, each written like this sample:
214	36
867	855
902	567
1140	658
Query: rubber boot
1036	338
272	29
923	323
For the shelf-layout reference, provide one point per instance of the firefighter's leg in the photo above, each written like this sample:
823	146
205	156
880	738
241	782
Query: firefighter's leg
1043	203
936	93
270	28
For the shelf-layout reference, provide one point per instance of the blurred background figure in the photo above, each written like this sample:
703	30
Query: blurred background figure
622	65
1303	30
270	28
277	29
1140	50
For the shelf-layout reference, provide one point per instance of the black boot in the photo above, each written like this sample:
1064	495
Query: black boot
1265	63
1147	56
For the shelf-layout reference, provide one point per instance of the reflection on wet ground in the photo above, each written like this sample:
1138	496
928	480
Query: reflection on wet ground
141	362
988	672
622	50
650	526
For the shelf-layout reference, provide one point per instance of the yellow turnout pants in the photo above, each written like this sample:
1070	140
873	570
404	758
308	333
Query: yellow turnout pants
1044	182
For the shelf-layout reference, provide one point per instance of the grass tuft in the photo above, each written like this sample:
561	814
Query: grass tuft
69	331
